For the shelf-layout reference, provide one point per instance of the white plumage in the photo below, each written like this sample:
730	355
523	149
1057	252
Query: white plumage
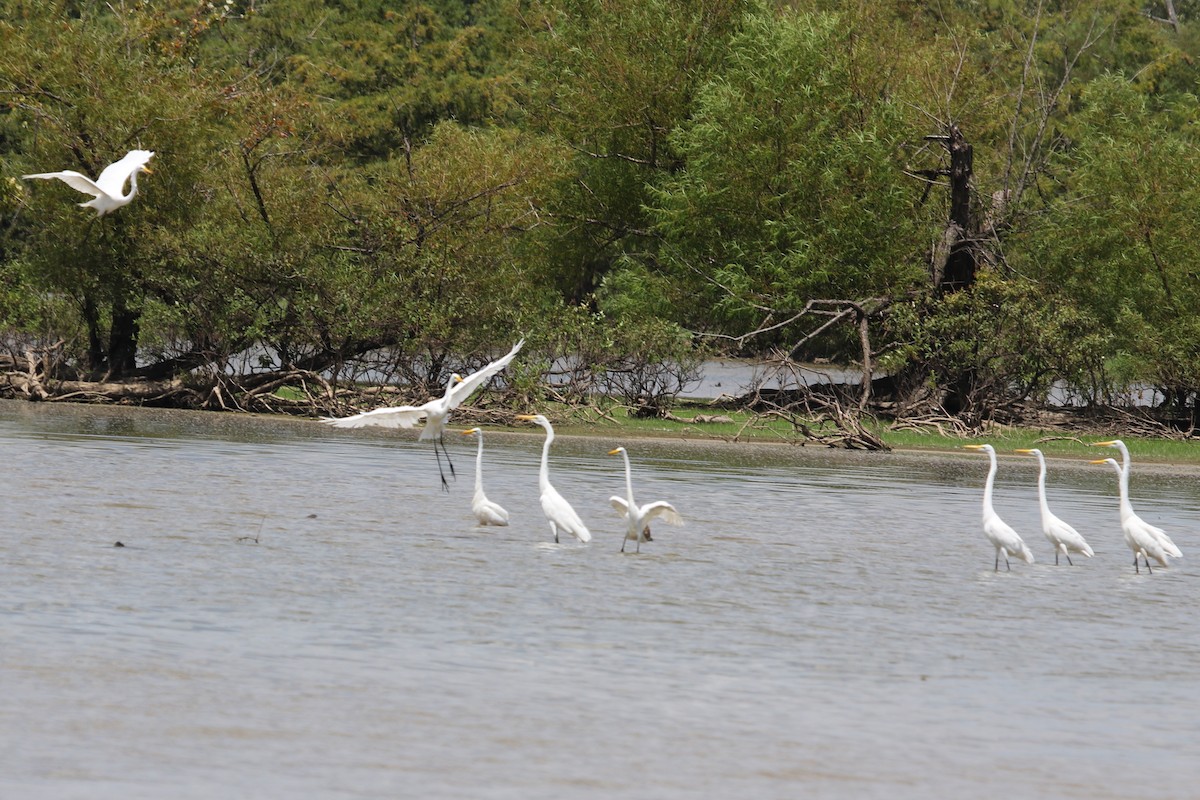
1003	538
1062	537
487	512
557	510
638	518
107	189
435	413
1140	536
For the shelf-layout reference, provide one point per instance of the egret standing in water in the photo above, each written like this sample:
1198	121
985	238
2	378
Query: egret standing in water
436	413
487	512
1002	537
107	189
1142	538
637	517
1168	546
557	510
1063	538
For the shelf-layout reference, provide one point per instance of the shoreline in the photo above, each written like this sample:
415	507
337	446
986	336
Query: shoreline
572	435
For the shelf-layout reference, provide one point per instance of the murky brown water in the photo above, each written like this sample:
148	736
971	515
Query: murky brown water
826	625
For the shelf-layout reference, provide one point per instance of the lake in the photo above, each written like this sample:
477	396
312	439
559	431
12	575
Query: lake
299	611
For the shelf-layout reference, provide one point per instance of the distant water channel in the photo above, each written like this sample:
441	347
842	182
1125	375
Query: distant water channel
301	612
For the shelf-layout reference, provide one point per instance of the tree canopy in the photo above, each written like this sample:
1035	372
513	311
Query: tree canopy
359	190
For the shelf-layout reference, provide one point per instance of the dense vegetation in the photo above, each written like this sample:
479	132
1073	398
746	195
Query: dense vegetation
977	198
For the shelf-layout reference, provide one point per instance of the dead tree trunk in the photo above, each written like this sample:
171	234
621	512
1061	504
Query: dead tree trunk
955	258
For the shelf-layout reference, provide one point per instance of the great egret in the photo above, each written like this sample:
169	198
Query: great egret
1063	538
1143	538
106	189
1002	537
435	413
1168	546
487	512
637	518
557	510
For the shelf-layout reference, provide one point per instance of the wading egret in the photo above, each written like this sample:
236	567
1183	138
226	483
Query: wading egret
1002	537
487	512
558	511
1063	538
637	518
436	413
106	189
1168	546
1143	538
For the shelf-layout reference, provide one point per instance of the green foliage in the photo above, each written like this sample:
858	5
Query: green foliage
1015	339
792	188
393	191
1120	240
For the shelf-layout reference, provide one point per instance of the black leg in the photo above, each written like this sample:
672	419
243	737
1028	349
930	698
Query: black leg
447	452
1069	561
441	473
1056	557
1147	560
1135	564
1006	564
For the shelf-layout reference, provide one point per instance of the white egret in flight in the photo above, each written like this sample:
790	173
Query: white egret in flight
107	189
487	512
637	518
1063	538
557	510
1002	537
435	413
1143	538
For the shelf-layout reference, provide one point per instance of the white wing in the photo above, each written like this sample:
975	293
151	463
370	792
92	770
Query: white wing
661	509
489	513
1002	535
1059	532
112	179
461	391
620	505
76	180
560	512
394	417
1168	546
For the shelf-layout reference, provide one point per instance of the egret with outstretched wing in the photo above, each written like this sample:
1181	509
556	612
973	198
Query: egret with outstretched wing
638	518
107	190
435	413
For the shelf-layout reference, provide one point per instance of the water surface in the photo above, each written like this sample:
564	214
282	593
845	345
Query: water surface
299	611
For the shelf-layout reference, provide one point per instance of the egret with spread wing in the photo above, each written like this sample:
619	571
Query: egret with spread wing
487	512
1063	538
1002	537
557	510
1142	538
436	412
106	190
637	518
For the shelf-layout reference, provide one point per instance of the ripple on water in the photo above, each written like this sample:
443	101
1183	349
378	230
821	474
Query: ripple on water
302	614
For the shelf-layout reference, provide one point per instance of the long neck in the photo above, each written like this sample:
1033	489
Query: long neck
479	465
132	185
987	487
544	473
1124	459
1042	485
1123	483
628	481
